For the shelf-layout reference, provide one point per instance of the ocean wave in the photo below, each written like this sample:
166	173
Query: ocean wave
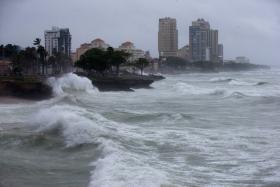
236	82
70	81
185	88
221	79
241	83
261	83
70	122
135	168
235	94
78	127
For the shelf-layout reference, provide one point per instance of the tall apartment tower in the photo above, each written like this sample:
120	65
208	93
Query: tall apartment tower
58	40
167	37
203	41
221	52
214	45
198	40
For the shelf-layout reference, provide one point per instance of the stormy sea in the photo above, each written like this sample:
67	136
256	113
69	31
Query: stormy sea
212	129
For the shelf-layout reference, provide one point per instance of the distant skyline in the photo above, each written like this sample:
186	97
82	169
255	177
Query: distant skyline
246	28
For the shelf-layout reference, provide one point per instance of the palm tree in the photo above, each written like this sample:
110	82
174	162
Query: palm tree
37	42
42	56
41	52
30	59
118	58
141	63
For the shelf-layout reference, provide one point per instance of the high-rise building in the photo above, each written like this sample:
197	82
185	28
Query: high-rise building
214	45
221	52
203	41
198	39
167	37
58	40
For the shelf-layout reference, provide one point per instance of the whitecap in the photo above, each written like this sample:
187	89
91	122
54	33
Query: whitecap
185	88
70	121
70	81
241	83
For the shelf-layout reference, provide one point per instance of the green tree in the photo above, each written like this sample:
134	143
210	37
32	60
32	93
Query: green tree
94	59
30	57
37	42
117	58
2	51
141	63
10	51
42	53
42	56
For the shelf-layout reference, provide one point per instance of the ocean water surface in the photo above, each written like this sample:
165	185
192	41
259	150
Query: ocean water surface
216	129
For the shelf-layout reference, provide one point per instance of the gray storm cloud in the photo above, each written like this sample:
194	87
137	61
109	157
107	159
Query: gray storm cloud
250	28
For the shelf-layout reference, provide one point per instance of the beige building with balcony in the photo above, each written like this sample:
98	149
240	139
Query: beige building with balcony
130	48
97	43
167	37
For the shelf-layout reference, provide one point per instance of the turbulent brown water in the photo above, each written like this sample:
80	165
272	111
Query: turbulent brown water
219	129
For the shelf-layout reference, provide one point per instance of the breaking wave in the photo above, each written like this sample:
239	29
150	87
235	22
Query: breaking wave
236	82
221	79
77	127
70	81
185	88
241	83
69	121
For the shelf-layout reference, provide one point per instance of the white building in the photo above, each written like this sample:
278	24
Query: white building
58	40
221	52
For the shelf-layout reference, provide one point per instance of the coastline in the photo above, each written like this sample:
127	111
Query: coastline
30	89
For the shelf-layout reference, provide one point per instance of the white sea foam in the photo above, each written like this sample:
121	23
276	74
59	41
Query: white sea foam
70	81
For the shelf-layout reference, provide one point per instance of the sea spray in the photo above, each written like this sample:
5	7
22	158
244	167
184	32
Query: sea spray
70	81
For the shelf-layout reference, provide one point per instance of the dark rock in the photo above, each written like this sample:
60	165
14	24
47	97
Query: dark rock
125	82
33	90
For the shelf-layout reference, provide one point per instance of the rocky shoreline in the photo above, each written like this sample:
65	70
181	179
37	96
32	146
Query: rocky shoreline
35	88
126	82
32	89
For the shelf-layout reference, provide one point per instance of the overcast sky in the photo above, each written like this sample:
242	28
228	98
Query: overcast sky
246	27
